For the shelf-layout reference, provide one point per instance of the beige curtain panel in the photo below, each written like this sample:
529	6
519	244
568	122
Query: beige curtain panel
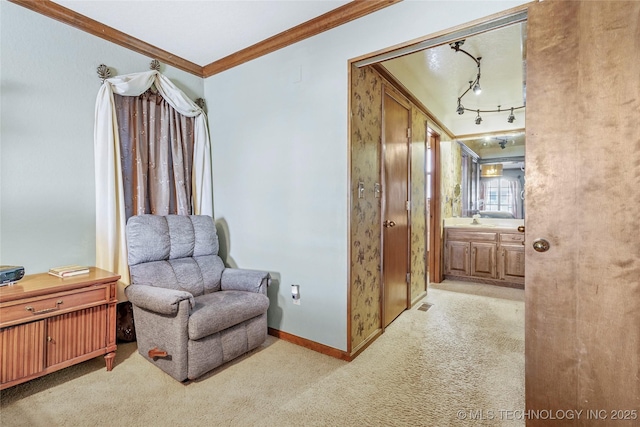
156	144
111	253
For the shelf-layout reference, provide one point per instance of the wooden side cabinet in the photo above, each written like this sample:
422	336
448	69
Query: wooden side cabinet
48	323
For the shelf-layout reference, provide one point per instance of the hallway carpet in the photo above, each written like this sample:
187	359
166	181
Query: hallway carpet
461	363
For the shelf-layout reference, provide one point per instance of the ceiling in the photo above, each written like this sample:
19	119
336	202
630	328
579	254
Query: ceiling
201	31
439	75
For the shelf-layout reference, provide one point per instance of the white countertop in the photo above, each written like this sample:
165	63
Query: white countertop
483	223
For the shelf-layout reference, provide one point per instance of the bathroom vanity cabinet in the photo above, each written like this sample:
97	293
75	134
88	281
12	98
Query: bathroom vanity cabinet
486	255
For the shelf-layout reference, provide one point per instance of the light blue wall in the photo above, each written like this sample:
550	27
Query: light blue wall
280	158
48	88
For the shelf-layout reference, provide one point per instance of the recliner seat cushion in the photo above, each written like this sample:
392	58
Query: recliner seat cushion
220	310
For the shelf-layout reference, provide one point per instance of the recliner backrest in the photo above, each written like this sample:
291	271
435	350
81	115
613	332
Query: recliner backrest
174	251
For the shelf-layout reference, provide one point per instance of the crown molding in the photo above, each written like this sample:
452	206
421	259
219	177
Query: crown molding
341	15
334	18
81	22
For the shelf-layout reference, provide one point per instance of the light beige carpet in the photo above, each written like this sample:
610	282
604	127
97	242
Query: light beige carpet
466	353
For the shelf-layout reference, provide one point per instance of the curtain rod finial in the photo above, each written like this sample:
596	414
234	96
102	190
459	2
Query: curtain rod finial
154	65
103	72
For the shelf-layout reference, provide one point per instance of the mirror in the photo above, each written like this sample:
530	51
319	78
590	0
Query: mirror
493	176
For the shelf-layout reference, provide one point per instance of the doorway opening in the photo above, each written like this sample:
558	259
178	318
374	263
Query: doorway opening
437	133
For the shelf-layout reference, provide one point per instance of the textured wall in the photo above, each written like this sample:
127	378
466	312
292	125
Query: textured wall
366	137
418	204
451	175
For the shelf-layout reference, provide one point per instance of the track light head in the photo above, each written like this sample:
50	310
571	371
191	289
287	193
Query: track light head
460	109
476	87
478	118
511	118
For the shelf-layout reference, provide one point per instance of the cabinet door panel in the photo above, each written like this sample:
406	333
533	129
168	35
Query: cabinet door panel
21	351
512	268
457	258
76	334
483	259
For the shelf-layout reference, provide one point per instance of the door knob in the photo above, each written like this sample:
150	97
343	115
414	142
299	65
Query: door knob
541	245
389	224
521	228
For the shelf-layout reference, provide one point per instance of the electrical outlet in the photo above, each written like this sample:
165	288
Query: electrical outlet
295	294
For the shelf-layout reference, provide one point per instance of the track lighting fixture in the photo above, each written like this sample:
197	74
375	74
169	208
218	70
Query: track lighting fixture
474	85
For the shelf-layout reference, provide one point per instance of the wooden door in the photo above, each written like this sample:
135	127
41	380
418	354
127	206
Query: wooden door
582	296
395	230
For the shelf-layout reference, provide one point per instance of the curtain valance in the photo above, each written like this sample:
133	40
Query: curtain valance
111	251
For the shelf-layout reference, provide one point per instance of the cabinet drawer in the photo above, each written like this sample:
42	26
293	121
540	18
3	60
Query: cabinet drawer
41	307
512	237
471	235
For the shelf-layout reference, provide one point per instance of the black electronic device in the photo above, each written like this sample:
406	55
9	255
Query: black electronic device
10	274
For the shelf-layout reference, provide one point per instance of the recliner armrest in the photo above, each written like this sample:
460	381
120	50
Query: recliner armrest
158	300
235	279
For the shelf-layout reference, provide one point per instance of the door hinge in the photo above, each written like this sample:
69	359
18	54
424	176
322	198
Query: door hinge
408	205
408	278
408	132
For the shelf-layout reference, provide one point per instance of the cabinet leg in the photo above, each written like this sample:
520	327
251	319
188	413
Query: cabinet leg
109	358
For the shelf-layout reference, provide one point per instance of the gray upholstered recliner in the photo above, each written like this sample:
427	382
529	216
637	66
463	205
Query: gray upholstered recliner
191	313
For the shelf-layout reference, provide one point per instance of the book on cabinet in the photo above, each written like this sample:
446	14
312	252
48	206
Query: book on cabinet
68	271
